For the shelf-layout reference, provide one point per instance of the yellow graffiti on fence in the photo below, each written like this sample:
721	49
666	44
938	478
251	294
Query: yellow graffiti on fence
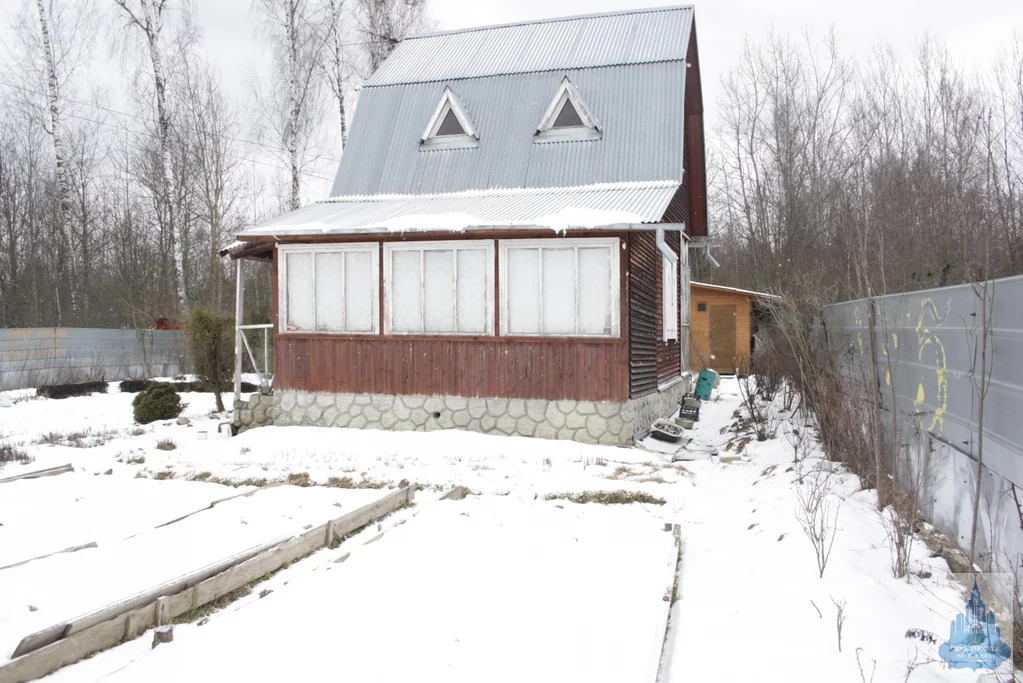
925	338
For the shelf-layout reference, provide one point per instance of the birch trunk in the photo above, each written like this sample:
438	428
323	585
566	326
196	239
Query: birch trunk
151	24
294	105
60	151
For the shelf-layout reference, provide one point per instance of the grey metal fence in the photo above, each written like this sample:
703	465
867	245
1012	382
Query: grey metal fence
929	371
31	357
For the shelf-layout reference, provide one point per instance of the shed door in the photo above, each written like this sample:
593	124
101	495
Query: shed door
722	338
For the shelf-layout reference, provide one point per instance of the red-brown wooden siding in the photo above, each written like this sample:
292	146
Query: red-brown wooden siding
507	367
644	275
446	366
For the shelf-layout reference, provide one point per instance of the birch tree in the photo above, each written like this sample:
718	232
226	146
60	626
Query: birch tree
147	17
57	133
293	28
385	23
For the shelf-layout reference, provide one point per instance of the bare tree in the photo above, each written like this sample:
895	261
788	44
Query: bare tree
147	16
60	150
385	23
294	29
338	65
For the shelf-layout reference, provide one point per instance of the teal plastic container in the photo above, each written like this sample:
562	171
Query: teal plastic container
705	384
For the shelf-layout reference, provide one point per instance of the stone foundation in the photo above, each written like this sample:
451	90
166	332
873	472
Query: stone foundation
602	422
257	411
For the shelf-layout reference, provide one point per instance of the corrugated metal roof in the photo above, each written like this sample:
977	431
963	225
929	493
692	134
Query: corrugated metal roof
556	208
629	37
640	109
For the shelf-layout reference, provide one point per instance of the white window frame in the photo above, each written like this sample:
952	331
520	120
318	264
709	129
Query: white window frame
614	246
422	247
449	102
669	299
545	130
283	250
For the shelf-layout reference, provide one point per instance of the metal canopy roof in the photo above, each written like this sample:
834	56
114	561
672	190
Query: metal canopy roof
609	39
592	207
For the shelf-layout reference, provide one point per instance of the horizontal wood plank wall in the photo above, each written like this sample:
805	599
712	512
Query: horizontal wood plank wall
644	274
445	366
701	346
669	363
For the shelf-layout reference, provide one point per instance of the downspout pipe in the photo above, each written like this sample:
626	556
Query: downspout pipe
663	247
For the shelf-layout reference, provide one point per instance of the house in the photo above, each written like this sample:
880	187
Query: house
724	325
505	247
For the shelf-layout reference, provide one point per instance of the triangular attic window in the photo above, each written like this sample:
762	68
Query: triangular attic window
450	126
567	118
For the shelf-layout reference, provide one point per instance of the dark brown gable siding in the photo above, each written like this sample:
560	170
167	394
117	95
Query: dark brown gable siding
644	276
668	360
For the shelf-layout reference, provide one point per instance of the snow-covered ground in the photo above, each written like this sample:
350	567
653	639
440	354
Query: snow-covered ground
503	585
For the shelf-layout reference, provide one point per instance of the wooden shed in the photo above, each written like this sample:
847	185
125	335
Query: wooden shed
723	324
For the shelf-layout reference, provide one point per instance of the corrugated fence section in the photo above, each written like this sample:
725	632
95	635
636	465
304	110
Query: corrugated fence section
929	369
31	357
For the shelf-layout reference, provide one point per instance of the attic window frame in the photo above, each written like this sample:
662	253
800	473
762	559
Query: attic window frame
449	102
546	132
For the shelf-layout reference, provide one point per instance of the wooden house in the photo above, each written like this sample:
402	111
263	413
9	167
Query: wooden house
723	326
505	247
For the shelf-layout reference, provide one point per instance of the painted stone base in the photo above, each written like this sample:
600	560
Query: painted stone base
257	411
602	422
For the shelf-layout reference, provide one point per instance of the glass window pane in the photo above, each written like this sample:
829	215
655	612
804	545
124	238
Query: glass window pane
523	295
559	291
440	291
450	125
568	117
359	286
472	290
328	292
406	297
299	287
595	312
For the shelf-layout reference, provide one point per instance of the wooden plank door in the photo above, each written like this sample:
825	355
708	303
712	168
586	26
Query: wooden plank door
722	338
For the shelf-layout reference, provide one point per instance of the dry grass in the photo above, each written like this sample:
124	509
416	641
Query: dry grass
85	438
11	453
607	497
166	445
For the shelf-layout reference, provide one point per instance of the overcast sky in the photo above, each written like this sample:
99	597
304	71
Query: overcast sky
973	31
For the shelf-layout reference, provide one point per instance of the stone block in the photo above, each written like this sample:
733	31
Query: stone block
554	416
371	413
357	422
497	406
288	402
304	399
401	411
383	403
585	408
414	401
566	407
516	408
419	417
324	400
388	420
575	421
536	410
343	402
434	404
607	409
363	400
461	418
477	407
596	426
525	426
313	414
455	403
545	431
487	423
506	424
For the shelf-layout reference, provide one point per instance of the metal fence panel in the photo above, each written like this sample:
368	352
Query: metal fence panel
31	357
929	365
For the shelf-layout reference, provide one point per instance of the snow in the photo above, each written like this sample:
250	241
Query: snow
494	588
504	585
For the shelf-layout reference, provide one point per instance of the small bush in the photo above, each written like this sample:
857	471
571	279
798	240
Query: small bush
299	479
165	445
69	390
211	349
11	453
161	476
133	386
158	402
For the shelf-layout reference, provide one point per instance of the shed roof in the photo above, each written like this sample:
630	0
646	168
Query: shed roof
593	206
735	290
607	39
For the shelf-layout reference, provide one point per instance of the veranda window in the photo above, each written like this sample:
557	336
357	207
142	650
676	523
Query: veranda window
560	287
329	289
669	298
439	287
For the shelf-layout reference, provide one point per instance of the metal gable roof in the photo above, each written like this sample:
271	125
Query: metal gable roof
593	206
639	107
628	37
